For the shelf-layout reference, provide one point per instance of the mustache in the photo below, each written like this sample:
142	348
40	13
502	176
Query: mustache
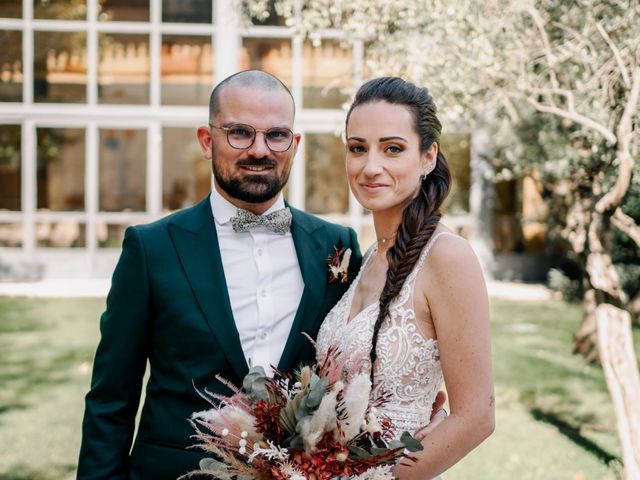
257	162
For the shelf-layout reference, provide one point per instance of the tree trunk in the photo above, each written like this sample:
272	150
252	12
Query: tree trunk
615	344
586	339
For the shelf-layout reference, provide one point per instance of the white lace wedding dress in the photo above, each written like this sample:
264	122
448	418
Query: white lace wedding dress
408	363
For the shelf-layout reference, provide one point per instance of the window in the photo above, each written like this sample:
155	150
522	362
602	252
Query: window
123	72
327	190
186	175
60	9
60	67
187	70
10	160
123	10
122	170
11	66
60	169
272	55
327	74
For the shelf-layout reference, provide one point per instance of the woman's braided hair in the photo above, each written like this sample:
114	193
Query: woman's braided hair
421	216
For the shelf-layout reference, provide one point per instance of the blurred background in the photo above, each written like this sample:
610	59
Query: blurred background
99	105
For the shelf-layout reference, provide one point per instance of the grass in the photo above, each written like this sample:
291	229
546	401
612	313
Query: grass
554	417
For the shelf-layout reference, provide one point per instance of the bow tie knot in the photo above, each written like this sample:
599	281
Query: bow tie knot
278	222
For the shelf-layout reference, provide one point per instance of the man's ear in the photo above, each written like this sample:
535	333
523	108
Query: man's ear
206	142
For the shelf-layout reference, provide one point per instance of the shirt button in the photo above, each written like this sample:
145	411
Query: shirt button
259	252
264	292
263	335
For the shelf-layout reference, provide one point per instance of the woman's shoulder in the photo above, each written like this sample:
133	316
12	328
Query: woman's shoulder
448	253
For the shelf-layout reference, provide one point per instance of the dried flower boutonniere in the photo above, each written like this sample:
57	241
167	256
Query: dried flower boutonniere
339	263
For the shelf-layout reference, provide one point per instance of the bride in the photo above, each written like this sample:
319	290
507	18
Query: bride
418	310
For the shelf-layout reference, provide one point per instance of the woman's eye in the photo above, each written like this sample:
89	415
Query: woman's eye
356	148
394	149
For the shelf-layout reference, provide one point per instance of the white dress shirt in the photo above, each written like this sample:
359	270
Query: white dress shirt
264	283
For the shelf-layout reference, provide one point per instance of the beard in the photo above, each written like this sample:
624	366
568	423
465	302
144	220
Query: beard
251	188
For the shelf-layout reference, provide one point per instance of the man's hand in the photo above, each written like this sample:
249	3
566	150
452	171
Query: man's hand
438	414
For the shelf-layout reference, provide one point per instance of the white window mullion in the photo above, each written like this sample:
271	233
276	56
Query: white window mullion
154	170
226	44
91	187
92	53
356	211
155	54
27	53
297	177
29	185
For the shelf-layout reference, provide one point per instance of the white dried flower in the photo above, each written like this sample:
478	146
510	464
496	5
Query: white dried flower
356	401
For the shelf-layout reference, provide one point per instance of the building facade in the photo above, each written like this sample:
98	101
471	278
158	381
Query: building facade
99	105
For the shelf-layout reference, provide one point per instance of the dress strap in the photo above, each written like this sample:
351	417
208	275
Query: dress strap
427	248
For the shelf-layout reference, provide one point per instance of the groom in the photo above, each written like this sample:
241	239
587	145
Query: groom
231	282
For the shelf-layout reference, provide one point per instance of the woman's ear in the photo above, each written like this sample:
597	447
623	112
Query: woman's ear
429	159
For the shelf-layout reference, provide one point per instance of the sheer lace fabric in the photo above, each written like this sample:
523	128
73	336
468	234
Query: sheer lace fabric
408	363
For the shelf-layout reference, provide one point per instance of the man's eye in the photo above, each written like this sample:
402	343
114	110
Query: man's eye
278	134
240	132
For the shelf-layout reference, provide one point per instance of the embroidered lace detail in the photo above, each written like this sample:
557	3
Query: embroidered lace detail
408	363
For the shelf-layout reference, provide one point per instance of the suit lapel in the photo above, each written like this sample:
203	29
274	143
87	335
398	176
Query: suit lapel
309	238
195	239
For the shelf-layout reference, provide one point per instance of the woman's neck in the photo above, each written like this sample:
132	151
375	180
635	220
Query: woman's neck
386	225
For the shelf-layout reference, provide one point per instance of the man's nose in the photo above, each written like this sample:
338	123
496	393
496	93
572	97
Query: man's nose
260	148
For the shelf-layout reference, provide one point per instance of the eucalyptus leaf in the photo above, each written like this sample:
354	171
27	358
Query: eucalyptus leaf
393	444
360	453
254	384
211	465
411	443
316	393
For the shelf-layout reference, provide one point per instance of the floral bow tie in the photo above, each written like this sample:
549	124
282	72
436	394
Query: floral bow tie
278	222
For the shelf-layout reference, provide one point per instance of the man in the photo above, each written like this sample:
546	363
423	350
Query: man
209	290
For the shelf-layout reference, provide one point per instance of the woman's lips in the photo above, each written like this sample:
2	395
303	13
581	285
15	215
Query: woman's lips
373	187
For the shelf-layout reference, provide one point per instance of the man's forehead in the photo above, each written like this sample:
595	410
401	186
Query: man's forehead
274	100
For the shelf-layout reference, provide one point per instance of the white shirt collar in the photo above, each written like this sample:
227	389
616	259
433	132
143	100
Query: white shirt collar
223	209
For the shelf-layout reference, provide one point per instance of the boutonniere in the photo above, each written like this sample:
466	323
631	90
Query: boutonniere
338	263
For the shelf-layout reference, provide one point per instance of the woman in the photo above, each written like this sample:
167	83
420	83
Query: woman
418	310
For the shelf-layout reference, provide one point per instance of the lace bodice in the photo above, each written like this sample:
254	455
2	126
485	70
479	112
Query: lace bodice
408	363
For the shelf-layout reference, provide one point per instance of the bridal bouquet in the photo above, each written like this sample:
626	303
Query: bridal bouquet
312	425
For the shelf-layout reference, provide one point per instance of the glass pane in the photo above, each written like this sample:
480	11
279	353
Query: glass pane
60	169
123	166
186	175
327	74
110	235
272	55
11	9
10	234
68	233
187	70
60	67
60	9
10	66
123	71
187	11
455	147
123	10
269	17
10	167
327	190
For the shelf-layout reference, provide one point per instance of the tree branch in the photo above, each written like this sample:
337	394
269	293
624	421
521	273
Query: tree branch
537	18
616	54
626	224
575	117
624	135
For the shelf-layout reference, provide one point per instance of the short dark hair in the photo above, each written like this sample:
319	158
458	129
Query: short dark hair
247	78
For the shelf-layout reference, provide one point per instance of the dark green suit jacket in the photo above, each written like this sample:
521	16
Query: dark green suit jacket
168	304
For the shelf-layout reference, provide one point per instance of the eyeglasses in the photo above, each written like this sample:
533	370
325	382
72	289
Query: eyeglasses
242	136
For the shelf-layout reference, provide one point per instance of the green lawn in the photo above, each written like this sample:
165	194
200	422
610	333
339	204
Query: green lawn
554	420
